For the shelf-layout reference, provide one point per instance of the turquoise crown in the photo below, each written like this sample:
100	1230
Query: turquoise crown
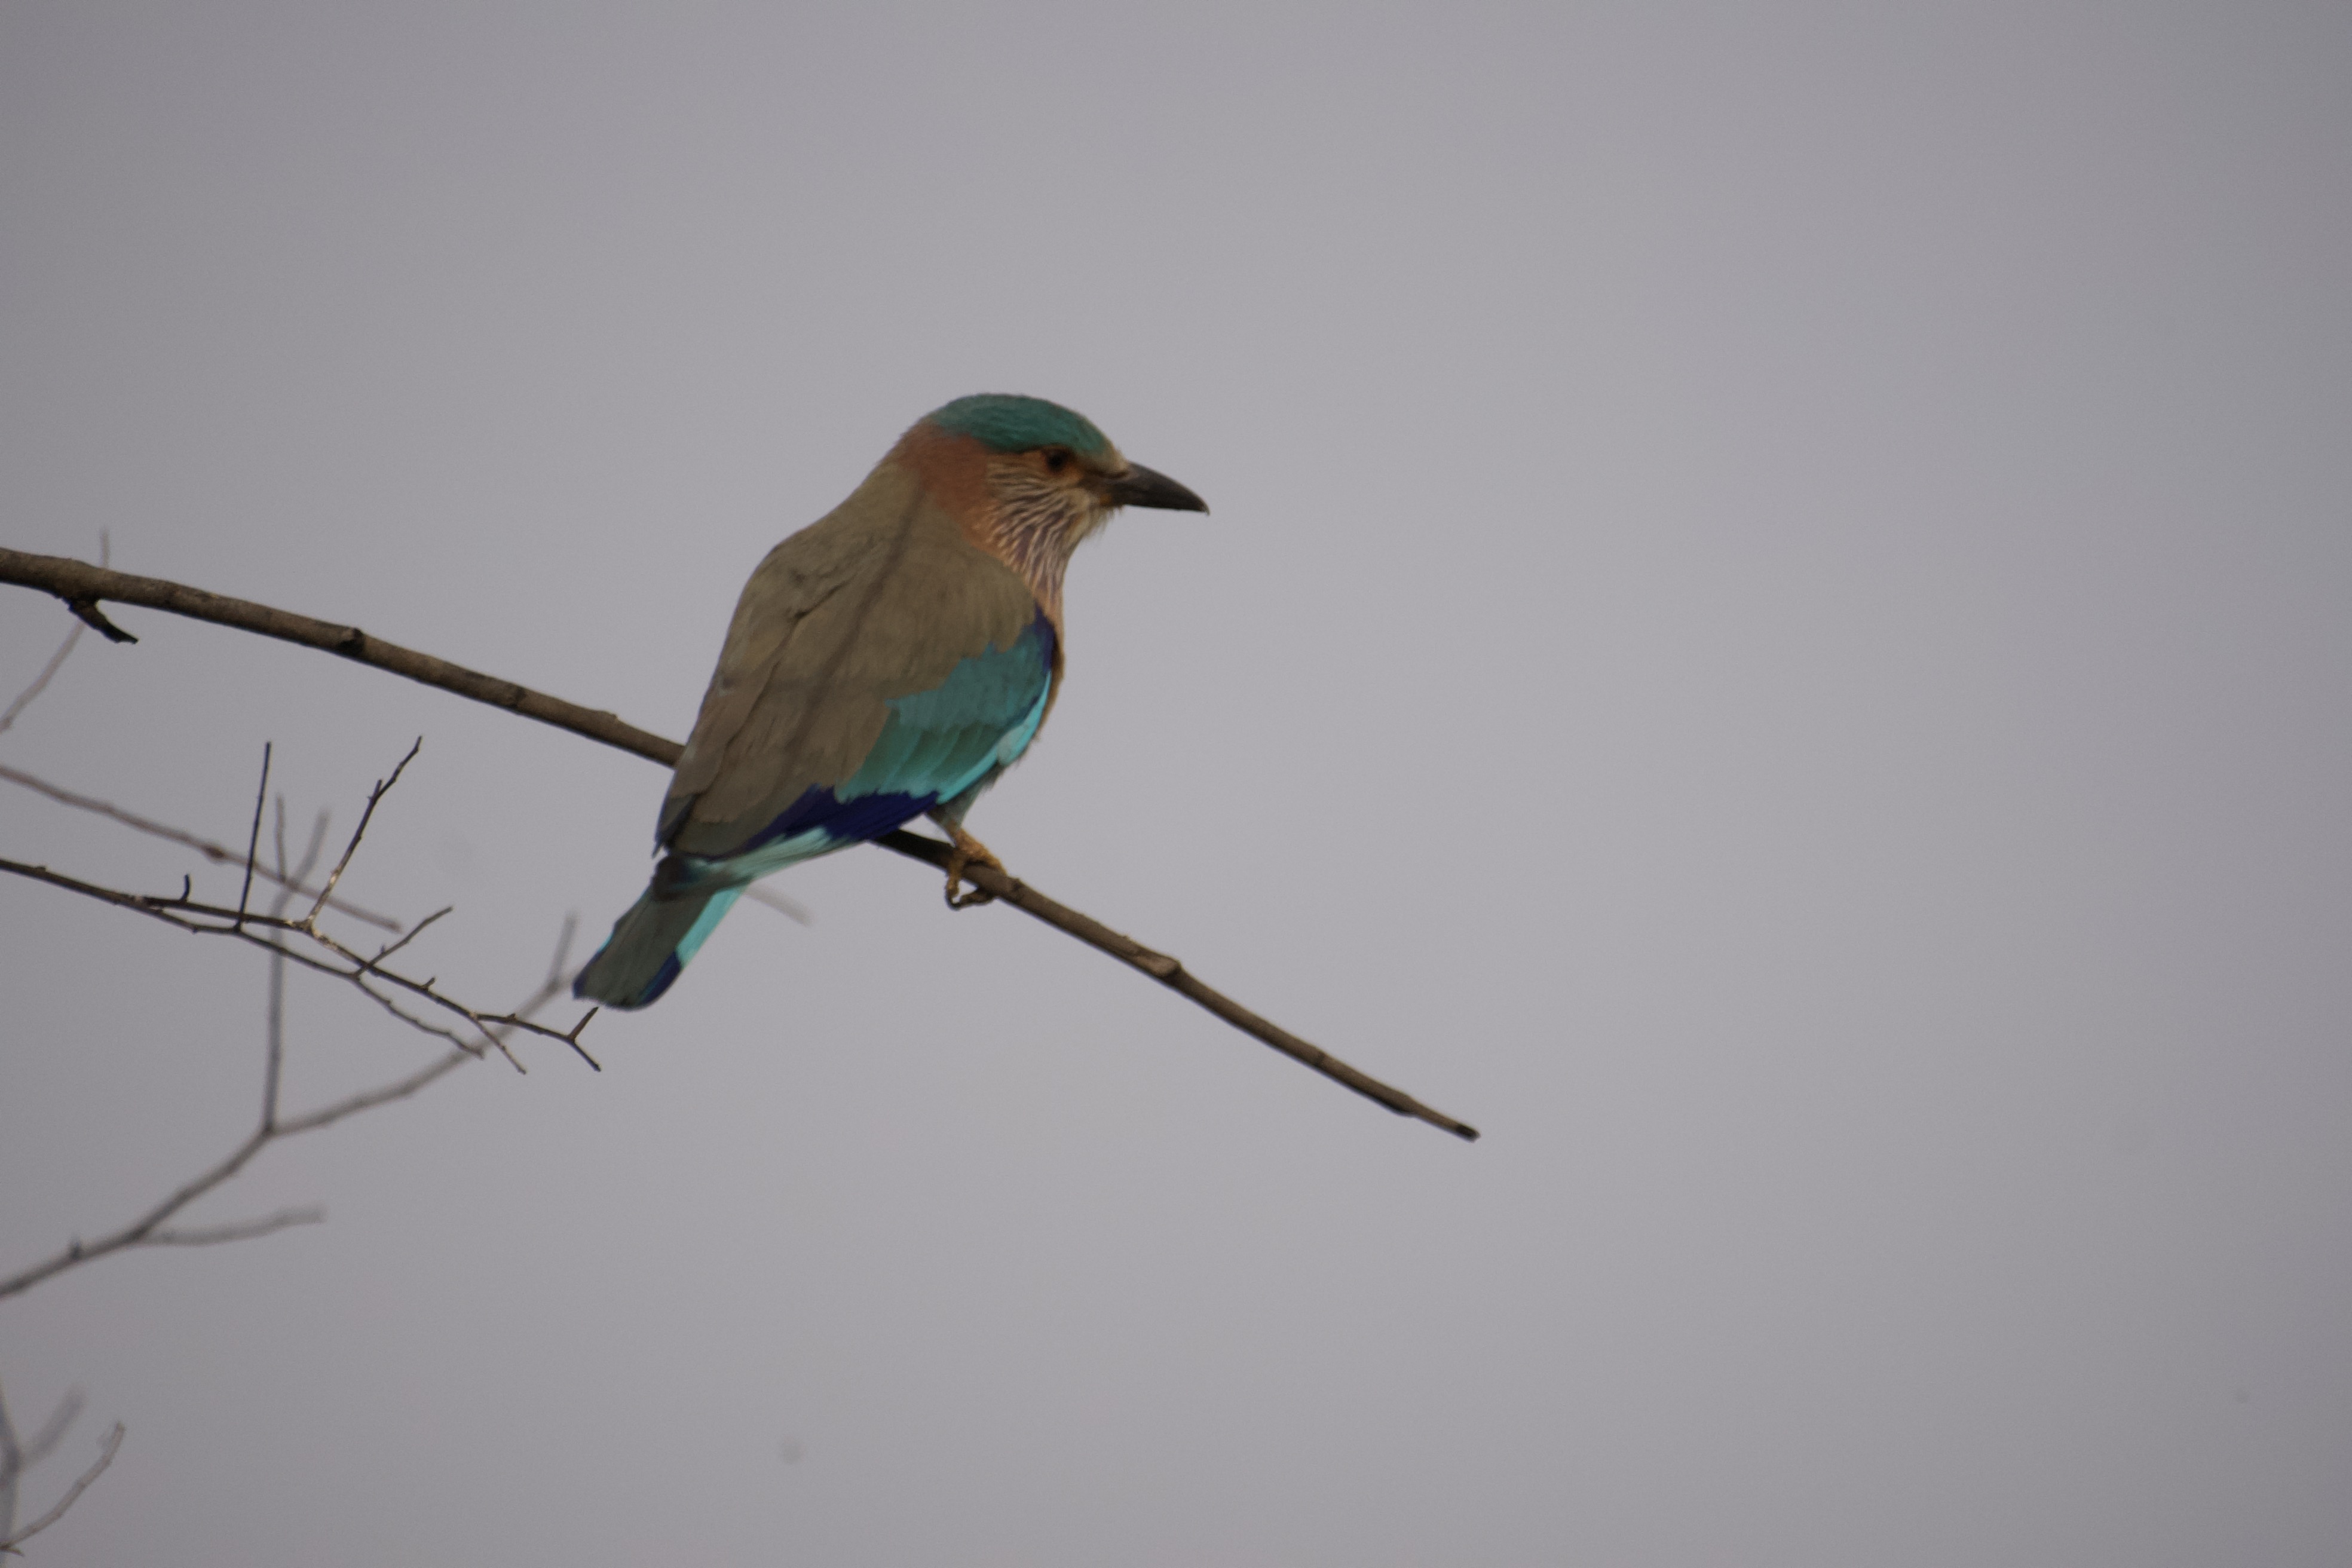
1003	421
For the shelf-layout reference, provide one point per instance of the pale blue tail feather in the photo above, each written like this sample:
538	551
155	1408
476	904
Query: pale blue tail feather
649	946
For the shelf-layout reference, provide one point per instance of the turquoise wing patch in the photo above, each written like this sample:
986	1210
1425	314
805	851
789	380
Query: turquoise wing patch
934	747
982	716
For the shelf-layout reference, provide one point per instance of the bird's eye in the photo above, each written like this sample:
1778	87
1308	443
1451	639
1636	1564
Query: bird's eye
1056	460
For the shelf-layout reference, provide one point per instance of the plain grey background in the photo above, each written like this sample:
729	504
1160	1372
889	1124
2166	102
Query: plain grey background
1774	633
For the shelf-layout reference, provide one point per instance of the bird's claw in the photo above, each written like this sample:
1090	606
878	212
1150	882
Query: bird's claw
968	851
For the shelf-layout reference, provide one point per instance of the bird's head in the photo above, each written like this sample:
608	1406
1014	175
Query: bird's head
1035	479
1036	448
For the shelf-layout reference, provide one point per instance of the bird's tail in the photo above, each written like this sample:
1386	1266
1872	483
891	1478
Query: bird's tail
650	946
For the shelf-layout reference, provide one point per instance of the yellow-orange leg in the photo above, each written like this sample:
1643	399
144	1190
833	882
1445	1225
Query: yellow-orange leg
968	851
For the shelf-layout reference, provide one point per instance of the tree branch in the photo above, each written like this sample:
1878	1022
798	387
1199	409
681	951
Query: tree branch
239	1231
76	581
73	1493
275	1021
53	1431
260	798
207	920
40	682
219	854
11	1462
82	585
15	1458
147	1230
1171	972
56	659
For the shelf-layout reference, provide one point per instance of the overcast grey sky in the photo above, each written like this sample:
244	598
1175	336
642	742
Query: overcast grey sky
1777	633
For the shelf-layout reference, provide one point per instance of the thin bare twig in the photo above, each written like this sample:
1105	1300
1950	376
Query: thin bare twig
147	1230
73	579
11	1465
1171	972
17	1458
80	584
56	659
239	1231
73	1493
254	840
269	932
49	670
188	914
388	949
52	1432
274	1028
782	903
277	1012
382	787
399	1089
219	854
208	920
136	1233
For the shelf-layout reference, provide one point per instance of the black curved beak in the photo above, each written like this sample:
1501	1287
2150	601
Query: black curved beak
1141	486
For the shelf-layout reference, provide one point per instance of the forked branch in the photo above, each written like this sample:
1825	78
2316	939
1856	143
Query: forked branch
217	853
149	1229
73	1493
200	918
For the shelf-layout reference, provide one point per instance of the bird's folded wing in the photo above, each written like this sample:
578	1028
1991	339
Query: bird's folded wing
941	743
878	635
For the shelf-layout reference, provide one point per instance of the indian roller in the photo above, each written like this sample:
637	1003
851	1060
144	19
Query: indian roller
887	662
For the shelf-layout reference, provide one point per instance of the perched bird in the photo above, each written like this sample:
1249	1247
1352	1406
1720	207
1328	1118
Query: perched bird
887	662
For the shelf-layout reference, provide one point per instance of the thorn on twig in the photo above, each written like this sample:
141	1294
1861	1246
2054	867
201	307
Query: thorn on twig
95	619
